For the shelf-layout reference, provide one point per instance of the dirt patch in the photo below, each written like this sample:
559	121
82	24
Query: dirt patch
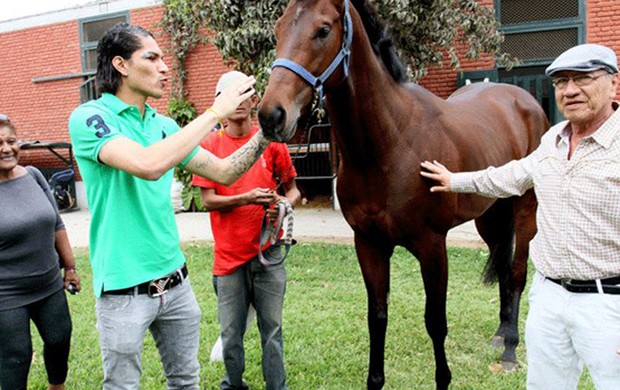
349	241
316	202
327	240
466	243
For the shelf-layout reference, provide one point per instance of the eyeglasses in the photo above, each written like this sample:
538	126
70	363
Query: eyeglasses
5	118
580	80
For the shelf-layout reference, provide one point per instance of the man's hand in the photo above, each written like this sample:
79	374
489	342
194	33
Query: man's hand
439	173
238	91
272	211
262	197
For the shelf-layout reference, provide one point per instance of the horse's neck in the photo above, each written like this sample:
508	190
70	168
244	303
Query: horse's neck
372	115
364	108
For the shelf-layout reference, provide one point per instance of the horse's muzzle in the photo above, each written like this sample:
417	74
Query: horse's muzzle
273	122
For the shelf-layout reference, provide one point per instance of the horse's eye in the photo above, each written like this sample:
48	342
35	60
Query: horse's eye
323	32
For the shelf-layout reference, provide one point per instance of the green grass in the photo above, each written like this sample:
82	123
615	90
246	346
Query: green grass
325	332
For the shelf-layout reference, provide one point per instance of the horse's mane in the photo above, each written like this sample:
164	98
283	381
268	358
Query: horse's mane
381	41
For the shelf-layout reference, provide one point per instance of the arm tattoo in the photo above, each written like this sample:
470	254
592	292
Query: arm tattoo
245	156
202	166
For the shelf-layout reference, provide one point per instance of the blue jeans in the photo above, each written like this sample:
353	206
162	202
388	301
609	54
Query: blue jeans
174	322
264	287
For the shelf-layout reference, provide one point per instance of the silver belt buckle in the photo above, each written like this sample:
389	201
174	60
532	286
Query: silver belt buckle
566	283
158	287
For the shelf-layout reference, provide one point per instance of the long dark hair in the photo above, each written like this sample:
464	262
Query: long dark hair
121	40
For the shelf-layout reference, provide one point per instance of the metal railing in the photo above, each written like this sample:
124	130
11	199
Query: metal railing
88	90
316	158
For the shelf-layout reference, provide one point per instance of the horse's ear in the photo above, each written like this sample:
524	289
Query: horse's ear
357	2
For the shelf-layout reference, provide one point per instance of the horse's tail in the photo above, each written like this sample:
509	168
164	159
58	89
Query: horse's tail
497	229
499	262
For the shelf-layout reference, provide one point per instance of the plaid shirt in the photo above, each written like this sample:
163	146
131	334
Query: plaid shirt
578	214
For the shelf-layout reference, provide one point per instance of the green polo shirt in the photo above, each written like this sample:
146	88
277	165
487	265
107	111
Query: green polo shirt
133	232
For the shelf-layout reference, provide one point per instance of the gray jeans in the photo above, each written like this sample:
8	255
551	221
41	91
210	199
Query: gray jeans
174	322
264	287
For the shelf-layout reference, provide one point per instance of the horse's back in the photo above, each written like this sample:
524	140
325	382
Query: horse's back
514	99
507	99
508	114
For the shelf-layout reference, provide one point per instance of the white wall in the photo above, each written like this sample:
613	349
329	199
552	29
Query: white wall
80	194
94	8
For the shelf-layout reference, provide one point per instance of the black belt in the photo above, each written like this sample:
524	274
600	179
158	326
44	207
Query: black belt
155	287
610	285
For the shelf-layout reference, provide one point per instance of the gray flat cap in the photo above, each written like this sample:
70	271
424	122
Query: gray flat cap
585	58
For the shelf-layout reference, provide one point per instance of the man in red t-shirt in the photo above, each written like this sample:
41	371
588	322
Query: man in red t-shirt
236	213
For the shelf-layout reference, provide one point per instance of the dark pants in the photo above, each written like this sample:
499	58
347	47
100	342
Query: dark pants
52	319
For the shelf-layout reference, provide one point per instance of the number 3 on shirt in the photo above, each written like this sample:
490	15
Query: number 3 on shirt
99	125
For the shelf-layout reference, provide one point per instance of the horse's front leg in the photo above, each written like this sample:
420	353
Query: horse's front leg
374	259
431	252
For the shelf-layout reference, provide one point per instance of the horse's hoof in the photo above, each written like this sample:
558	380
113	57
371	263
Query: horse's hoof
503	367
497	342
510	367
375	382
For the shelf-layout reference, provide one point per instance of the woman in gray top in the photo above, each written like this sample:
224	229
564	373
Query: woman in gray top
33	247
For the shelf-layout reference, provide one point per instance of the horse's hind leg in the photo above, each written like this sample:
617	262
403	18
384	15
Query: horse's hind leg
525	230
497	229
374	259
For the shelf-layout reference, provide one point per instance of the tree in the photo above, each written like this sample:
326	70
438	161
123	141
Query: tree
182	22
424	31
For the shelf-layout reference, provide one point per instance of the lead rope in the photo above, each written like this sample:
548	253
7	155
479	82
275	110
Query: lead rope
270	230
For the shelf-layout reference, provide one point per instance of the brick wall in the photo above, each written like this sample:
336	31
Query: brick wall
40	110
441	80
205	66
601	20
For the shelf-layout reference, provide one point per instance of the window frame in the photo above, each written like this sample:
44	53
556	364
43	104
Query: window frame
578	23
86	46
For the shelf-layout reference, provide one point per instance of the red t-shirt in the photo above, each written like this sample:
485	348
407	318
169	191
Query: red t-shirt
237	232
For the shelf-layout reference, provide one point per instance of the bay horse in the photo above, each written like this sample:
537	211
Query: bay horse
384	127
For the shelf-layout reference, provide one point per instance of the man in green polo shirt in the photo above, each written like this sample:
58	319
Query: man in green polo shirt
126	151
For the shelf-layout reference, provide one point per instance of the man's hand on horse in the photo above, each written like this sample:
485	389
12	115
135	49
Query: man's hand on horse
436	171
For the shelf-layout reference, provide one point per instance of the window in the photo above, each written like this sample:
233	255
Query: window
525	11
91	30
539	45
536	32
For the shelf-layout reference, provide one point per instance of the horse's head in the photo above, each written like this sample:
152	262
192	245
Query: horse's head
313	38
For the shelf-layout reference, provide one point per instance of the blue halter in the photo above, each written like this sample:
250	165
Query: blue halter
343	56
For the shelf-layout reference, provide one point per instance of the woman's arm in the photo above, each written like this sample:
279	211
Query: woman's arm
67	261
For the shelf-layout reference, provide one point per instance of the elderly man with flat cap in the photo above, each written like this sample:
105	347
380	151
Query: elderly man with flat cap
574	300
